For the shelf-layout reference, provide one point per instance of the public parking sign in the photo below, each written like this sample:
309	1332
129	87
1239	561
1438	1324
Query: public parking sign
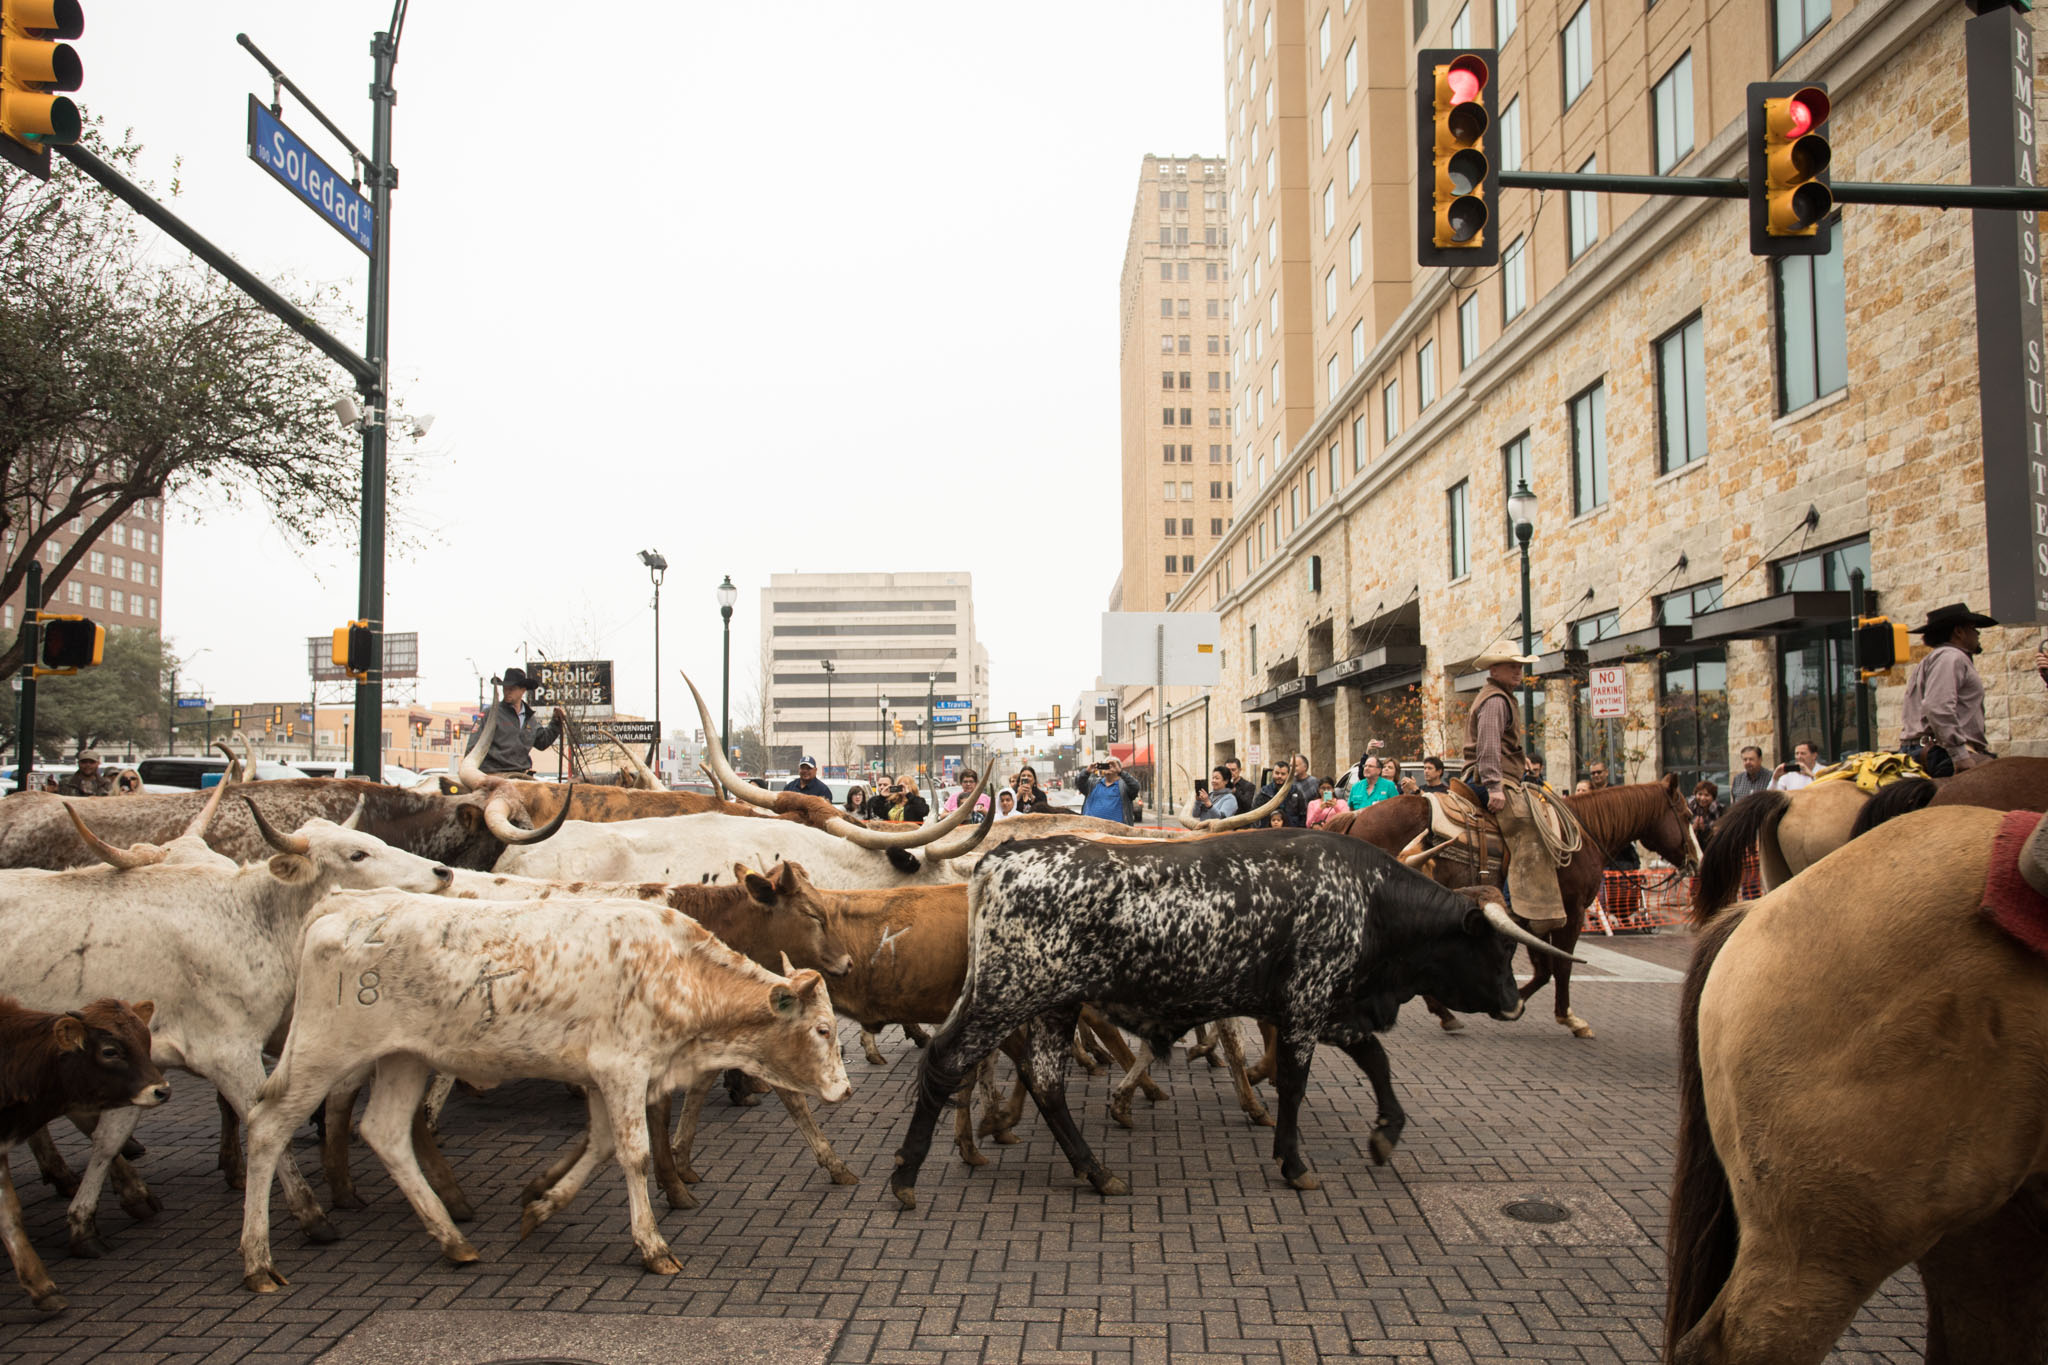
1609	692
578	684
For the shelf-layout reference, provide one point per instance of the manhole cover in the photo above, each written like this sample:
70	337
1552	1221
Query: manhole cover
1536	1211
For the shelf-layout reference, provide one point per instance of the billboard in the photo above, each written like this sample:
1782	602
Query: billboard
401	657
580	685
1179	648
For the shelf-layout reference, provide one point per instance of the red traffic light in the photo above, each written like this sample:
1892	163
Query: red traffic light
1466	76
1804	112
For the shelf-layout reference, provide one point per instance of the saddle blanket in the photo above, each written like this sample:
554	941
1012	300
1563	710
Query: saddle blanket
2009	902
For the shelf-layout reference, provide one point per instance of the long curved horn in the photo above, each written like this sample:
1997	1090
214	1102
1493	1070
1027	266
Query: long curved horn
355	817
715	759
142	855
234	762
498	819
1419	857
203	820
248	759
954	848
468	772
1498	917
283	843
1256	816
2033	858
916	838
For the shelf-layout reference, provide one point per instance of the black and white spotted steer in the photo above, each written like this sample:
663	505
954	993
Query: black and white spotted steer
1323	937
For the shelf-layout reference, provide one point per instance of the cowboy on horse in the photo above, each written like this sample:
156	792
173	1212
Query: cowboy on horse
1496	768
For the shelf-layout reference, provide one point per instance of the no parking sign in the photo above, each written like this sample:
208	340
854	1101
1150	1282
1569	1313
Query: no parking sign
1609	692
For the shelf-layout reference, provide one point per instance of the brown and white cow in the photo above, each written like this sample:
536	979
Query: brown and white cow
629	1000
83	1060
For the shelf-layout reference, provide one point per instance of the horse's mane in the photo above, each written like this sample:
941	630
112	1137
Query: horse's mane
1618	815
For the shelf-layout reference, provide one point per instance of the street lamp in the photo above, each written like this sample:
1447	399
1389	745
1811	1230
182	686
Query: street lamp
1522	513
656	568
931	736
826	664
727	595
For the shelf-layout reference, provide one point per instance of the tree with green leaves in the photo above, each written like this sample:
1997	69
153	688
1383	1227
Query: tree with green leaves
128	372
118	704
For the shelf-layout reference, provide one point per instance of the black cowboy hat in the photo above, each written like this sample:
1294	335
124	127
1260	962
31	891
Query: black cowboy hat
1953	615
514	677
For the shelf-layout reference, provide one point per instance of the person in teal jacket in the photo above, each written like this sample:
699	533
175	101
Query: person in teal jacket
1370	789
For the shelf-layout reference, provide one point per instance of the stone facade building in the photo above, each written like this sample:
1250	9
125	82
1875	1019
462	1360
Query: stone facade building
1716	440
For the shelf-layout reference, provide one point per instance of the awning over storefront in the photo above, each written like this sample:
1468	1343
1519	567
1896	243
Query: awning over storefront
1558	663
1780	615
1637	643
1132	755
1376	670
1278	698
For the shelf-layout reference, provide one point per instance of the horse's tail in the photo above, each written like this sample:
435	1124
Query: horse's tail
1893	799
1701	1231
1720	877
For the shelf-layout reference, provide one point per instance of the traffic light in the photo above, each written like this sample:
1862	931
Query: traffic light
1882	644
235	718
1788	169
34	66
70	643
355	649
277	715
1458	156
1080	727
1016	726
289	727
898	723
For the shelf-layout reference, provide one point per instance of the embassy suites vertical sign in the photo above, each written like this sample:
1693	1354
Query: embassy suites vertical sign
2012	371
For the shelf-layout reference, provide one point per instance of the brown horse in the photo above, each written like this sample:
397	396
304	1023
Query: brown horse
1652	812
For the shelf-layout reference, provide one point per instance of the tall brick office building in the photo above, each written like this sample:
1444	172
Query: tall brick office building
1676	404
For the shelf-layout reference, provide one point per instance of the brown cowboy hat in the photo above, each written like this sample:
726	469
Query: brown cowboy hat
1950	616
1487	658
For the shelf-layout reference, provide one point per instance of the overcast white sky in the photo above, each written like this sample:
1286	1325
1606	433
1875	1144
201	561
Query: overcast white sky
811	286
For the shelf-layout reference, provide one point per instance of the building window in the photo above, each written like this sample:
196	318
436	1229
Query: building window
1514	282
1813	326
1215	526
1187	563
1187	417
1794	21
1576	43
1351	165
1583	212
97	562
1357	346
119	535
1681	394
1425	375
1390	410
1504	19
52	552
1329	124
74	594
1215	454
1169	490
1187	526
1336	467
1357	443
1330	294
118	602
7	617
1589	450
120	567
1329	208
1331	379
1215	488
1173	563
1671	114
1293	507
1817	667
152	575
1514	471
1461	530
1215	417
1350	72
1468	331
1323	41
1166	416
1187	491
1357	253
1461	27
152	609
97	596
1173	526
1511	135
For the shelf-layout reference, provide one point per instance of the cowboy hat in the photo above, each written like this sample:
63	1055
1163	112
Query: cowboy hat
1487	658
1953	615
514	677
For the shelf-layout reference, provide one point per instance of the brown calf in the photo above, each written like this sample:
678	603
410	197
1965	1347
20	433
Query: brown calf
78	1062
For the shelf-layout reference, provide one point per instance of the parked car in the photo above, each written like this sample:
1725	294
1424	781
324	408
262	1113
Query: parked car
394	775
60	771
168	774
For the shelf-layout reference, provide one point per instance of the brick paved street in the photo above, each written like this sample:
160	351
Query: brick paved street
1210	1257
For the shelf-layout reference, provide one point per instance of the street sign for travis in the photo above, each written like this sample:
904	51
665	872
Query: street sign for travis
192	703
326	191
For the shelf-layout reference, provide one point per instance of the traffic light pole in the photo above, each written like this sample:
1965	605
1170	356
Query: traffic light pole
31	651
2020	199
1862	682
368	760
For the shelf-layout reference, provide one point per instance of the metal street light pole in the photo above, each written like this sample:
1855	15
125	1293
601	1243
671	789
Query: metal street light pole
727	595
931	736
1522	511
882	710
829	671
657	567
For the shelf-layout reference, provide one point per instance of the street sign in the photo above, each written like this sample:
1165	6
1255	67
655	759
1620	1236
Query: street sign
280	151
192	703
579	684
635	732
952	704
1112	724
1609	689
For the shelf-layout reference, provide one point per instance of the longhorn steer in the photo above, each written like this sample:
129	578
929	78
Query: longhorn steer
705	847
455	831
216	948
1322	937
626	999
93	1058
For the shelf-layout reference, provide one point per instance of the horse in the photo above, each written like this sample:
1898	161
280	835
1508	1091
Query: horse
1653	813
1794	830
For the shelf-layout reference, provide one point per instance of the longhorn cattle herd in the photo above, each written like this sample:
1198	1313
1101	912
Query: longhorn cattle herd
1864	1076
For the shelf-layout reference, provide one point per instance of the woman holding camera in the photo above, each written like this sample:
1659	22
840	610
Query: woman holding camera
899	802
1031	800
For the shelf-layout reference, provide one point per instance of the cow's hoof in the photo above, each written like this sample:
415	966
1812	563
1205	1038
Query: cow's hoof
1516	1012
1305	1181
1110	1185
971	1156
234	1176
535	1188
1382	1148
134	1150
1451	1023
906	1195
1120	1110
321	1231
51	1302
1005	1137
688	1175
875	1058
661	1263
460	1252
264	1280
1258	1118
842	1176
531	1217
347	1199
1579	1027
680	1198
88	1246
143	1206
745	1101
